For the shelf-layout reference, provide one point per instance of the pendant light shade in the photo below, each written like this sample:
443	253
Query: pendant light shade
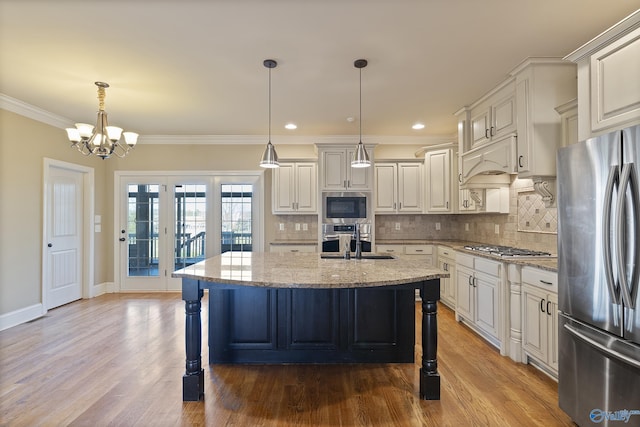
360	157
269	157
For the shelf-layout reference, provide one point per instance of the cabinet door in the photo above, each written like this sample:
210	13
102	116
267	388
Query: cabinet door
480	124
487	303
438	165
306	188
552	331
615	86
390	249
534	328
284	188
464	293
410	187
357	178
466	203
385	186
503	116
448	285
334	170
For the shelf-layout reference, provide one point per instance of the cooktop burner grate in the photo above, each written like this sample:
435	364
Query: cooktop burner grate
507	251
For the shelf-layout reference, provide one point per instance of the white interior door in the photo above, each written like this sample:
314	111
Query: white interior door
64	237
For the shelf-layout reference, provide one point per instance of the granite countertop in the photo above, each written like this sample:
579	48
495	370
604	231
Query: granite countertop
294	242
545	263
307	270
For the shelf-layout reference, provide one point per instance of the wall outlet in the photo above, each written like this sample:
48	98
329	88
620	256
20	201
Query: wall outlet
297	226
305	226
397	226
497	228
281	226
437	226
466	226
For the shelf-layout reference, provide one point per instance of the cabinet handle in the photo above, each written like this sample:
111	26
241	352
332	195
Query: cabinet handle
460	178
470	284
548	311
400	205
348	183
542	305
492	131
475	282
447	205
486	133
294	250
445	266
418	250
545	282
520	165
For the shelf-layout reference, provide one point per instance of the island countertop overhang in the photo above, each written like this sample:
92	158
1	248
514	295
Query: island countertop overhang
307	270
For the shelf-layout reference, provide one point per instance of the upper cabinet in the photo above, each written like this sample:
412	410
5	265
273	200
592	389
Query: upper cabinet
398	187
336	173
294	188
541	85
440	171
494	116
608	83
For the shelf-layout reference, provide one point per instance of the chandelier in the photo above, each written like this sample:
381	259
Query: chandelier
102	140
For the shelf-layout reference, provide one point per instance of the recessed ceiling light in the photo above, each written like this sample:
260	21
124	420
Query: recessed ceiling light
417	126
291	126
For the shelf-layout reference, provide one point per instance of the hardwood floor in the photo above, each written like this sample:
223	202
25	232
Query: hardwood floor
118	360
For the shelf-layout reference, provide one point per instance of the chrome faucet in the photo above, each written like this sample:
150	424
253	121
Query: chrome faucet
356	235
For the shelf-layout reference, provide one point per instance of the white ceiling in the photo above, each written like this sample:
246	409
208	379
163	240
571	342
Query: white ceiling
195	67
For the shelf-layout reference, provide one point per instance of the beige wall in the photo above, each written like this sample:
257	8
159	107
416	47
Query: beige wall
24	143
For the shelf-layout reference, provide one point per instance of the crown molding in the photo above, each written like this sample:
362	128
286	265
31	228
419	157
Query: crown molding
30	111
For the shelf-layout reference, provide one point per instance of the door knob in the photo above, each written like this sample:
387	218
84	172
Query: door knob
49	245
122	239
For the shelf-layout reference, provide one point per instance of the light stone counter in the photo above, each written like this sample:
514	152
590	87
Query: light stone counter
307	270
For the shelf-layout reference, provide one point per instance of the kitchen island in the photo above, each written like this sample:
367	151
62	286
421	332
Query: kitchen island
305	308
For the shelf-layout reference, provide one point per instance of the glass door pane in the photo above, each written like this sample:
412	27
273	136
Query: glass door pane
143	216
190	210
237	205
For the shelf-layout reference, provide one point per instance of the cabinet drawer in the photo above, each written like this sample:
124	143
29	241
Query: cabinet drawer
418	249
292	248
464	259
540	278
446	252
390	249
487	266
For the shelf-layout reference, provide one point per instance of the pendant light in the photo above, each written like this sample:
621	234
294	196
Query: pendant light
360	156
269	157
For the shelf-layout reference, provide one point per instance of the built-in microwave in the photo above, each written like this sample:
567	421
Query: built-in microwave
346	207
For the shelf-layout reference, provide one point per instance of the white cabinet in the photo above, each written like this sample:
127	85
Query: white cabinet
336	173
439	167
478	288
541	85
540	317
495	116
569	122
398	187
292	248
421	252
608	83
294	188
447	262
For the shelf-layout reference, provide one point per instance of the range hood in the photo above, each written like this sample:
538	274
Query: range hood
489	165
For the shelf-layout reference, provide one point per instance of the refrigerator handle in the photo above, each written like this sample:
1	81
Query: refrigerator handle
612	180
594	342
625	181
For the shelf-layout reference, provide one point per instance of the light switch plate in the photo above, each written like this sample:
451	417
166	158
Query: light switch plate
397	226
497	229
437	226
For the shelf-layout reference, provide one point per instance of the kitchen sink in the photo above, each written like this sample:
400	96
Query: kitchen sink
364	256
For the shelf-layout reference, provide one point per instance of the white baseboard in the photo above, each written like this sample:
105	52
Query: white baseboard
101	289
20	316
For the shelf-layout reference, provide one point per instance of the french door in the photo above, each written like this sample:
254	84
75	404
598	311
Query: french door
170	222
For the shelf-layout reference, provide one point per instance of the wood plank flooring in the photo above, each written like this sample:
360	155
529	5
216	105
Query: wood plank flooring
118	360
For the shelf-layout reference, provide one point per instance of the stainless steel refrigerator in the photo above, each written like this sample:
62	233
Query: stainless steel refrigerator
598	274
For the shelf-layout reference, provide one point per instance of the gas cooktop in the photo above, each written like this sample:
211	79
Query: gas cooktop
507	251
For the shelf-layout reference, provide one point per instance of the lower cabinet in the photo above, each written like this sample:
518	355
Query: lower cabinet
447	262
478	288
540	318
257	325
